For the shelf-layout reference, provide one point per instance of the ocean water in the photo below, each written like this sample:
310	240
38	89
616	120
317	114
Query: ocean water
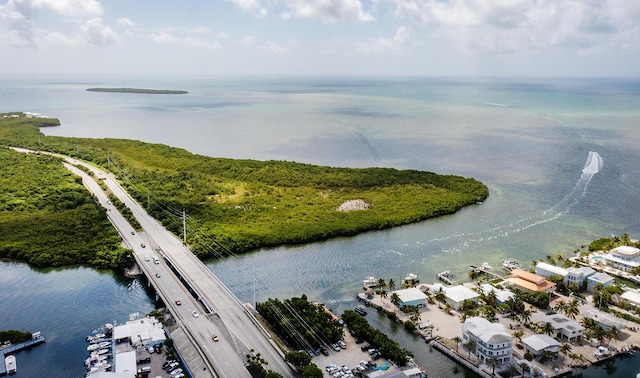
560	158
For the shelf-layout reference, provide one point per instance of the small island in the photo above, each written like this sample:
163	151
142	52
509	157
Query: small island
137	90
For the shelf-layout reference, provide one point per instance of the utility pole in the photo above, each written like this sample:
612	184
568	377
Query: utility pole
184	227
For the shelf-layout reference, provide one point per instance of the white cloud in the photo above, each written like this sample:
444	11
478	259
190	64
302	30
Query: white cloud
252	6
326	10
275	48
98	34
127	23
378	45
67	8
507	26
200	43
163	38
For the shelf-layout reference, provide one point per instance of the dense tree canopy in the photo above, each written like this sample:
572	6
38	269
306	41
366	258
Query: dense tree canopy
248	204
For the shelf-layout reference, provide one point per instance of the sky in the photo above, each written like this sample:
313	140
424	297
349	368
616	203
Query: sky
564	38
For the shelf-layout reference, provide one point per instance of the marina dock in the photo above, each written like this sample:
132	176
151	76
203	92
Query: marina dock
36	339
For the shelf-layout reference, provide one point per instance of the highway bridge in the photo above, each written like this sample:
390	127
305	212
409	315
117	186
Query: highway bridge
206	306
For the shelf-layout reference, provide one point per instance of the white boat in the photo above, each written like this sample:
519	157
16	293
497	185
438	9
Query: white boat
412	277
10	364
485	266
510	264
101	345
369	282
96	337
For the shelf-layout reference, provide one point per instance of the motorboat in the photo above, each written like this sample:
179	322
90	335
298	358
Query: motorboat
412	277
369	282
10	364
510	264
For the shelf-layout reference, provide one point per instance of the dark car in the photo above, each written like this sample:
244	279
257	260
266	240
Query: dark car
144	360
365	347
324	351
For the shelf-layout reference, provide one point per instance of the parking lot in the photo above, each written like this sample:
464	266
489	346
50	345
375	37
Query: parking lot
349	357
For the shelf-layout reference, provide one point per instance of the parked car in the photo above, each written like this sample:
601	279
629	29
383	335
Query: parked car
342	344
335	347
324	351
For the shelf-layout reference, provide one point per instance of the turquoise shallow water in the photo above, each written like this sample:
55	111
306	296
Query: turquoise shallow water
528	140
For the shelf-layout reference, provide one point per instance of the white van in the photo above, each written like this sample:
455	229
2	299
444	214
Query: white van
145	369
156	260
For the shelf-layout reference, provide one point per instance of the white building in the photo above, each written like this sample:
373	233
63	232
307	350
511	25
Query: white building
537	344
632	297
623	258
502	295
569	276
411	297
599	278
491	340
564	328
456	295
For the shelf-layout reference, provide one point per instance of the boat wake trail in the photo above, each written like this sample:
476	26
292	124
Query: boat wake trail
464	240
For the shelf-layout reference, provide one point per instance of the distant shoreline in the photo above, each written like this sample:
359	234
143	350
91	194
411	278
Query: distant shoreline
137	90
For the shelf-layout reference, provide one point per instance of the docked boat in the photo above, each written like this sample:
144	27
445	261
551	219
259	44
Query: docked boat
446	277
369	282
412	277
360	310
10	364
485	266
510	264
96	336
101	345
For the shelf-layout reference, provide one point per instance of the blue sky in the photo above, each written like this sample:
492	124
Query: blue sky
321	37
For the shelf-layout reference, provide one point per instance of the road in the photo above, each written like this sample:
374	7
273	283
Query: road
238	330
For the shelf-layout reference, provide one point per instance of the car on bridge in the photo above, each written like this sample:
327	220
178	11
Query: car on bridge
195	314
178	303
215	338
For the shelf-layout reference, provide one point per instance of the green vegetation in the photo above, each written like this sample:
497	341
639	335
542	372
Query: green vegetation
47	218
14	336
246	204
137	90
388	348
300	323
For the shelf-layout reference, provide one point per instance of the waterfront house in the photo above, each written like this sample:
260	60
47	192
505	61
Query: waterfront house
537	344
623	258
502	295
564	328
528	281
411	297
632	297
605	320
570	275
599	278
456	295
490	340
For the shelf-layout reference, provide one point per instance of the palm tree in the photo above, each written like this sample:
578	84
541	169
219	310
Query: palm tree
573	309
440	295
382	284
493	362
395	299
524	367
560	306
392	284
491	298
457	339
518	335
613	333
548	328
383	294
447	308
525	315
470	344
565	349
